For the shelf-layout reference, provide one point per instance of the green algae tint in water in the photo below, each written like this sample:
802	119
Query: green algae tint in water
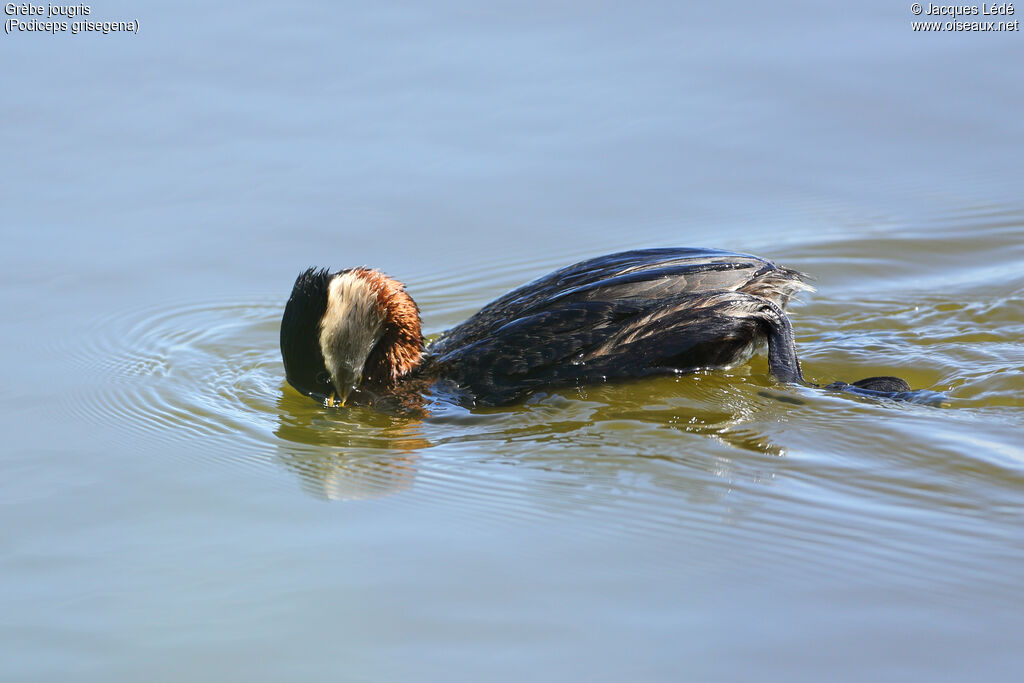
173	511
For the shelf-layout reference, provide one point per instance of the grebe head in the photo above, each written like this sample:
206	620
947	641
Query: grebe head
349	329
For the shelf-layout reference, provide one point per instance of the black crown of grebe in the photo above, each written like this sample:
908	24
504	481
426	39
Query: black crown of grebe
626	315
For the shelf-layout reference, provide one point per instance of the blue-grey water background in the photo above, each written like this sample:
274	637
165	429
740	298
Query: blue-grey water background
172	511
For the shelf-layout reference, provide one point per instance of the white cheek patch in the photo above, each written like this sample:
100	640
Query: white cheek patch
352	324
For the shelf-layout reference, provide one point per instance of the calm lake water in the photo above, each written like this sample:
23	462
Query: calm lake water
173	511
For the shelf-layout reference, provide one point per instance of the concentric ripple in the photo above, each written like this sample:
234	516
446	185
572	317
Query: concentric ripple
188	373
205	379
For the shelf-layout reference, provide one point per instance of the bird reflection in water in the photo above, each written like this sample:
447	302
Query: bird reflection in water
356	455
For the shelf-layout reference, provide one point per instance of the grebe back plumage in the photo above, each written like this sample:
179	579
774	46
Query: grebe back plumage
625	315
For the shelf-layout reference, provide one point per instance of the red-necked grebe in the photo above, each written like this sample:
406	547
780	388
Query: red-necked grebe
625	315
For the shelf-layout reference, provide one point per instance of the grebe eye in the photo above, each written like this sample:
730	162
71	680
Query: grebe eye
323	377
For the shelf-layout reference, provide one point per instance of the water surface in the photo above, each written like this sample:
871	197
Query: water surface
174	510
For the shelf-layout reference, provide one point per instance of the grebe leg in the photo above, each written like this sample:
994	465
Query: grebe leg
782	360
784	365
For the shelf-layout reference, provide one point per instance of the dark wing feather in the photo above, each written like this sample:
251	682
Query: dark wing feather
647	274
585	342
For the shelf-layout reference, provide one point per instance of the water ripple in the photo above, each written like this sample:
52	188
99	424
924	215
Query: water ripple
188	372
719	456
